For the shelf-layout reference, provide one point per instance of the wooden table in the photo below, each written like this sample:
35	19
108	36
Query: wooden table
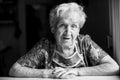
77	78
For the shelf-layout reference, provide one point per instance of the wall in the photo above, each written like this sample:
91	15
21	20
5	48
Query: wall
9	36
97	24
115	26
9	48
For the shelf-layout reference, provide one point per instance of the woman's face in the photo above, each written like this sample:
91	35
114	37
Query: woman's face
67	30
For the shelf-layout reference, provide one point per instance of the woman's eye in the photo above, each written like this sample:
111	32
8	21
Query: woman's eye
74	26
62	25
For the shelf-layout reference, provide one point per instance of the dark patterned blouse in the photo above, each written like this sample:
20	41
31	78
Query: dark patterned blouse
44	55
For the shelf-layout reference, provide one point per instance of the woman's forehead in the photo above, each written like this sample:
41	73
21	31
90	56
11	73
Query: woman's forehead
72	16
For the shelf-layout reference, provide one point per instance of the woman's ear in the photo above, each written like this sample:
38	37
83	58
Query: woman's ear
52	30
79	32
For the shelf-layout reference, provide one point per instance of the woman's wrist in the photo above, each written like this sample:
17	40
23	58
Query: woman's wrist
75	71
47	73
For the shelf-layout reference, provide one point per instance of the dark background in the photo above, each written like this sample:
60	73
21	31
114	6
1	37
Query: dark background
25	22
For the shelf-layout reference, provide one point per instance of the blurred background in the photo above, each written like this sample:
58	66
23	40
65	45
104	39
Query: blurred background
24	22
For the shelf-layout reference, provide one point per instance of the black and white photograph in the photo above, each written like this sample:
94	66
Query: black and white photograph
59	39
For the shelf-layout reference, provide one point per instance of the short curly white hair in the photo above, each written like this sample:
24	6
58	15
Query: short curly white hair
58	12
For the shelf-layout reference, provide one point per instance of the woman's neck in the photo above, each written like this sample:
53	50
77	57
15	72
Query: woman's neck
65	51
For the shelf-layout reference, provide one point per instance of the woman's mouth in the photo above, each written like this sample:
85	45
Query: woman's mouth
66	38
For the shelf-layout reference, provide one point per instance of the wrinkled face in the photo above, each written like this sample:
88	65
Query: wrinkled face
67	30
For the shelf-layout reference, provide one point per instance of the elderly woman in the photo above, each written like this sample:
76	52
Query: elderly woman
72	54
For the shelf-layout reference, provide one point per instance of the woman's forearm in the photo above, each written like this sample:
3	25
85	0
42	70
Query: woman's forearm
103	69
107	67
19	71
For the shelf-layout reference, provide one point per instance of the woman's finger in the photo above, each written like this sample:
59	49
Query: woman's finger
58	69
67	76
60	73
70	72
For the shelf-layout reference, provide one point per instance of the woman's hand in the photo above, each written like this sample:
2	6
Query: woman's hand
59	72
47	73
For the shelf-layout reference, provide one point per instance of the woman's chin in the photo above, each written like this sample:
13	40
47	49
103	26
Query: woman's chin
67	44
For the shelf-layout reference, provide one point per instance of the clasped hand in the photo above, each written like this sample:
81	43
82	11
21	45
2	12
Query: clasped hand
65	73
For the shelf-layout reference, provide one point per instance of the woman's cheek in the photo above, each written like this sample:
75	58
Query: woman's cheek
74	35
58	36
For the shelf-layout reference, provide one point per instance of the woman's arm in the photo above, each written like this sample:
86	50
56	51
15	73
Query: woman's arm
20	71
101	62
33	62
107	67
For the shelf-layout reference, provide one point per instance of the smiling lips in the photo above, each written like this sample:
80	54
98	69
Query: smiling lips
66	38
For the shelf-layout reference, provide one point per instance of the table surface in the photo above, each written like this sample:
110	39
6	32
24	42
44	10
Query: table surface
77	78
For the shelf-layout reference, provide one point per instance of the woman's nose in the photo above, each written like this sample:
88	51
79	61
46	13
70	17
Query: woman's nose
68	30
